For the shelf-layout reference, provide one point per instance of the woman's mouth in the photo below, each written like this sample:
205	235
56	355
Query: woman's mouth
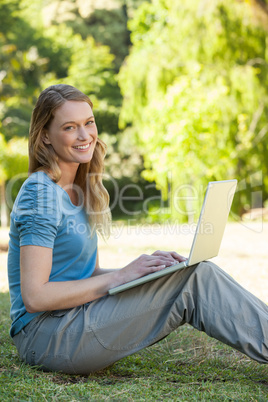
82	147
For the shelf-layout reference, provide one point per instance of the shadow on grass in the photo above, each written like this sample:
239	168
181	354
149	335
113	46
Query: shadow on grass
187	365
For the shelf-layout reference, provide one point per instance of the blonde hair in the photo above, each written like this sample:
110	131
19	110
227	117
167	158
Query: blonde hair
43	157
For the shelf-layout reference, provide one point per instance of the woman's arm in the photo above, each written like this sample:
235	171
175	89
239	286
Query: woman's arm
41	295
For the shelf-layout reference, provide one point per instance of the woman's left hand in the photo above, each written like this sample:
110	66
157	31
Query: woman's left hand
176	257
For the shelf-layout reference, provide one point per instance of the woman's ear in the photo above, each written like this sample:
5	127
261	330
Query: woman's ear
45	137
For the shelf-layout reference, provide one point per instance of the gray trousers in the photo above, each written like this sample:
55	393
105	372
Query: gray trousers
88	338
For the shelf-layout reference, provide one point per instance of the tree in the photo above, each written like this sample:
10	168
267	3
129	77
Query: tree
195	91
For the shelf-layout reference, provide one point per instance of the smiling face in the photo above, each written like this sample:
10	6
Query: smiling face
72	133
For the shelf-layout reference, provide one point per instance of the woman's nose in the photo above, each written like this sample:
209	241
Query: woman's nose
83	133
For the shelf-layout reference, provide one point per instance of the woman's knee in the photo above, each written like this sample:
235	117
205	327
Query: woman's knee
207	269
209	274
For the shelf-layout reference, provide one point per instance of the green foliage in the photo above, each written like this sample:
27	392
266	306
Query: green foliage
13	165
104	20
198	100
89	66
3	145
16	157
107	23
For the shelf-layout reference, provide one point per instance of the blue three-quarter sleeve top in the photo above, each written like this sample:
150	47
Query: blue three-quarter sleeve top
43	215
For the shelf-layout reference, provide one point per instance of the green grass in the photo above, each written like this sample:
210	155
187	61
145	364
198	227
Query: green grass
186	366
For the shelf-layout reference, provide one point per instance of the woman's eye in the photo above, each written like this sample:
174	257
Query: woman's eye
68	128
90	122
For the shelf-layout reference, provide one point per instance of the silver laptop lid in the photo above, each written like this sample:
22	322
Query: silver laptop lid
212	220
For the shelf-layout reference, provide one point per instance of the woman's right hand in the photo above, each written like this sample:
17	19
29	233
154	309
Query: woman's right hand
144	265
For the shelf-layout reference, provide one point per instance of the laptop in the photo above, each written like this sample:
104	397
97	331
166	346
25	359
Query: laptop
208	235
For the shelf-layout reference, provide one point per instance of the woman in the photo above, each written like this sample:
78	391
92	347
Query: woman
62	316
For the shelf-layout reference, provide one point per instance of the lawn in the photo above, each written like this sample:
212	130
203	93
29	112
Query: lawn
187	365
